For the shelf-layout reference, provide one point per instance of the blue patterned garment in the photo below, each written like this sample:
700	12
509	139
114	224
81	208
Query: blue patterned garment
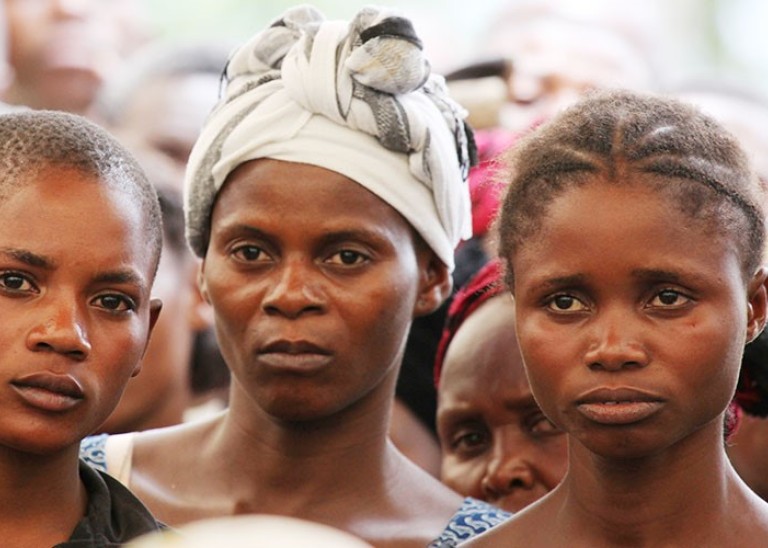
474	517
92	451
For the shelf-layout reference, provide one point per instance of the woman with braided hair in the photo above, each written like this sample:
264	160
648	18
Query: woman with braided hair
632	234
325	197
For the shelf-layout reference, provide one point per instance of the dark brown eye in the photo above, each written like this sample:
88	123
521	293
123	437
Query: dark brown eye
13	281
114	302
347	257
669	298
249	253
565	303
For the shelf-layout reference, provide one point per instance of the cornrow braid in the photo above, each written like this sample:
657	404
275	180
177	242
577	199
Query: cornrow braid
624	137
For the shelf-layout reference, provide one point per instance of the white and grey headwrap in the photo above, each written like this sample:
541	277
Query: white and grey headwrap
357	98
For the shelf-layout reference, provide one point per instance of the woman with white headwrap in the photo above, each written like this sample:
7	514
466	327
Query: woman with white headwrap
325	197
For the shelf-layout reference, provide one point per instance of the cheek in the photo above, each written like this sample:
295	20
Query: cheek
545	362
464	477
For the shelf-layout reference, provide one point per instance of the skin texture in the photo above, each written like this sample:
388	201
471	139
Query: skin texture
497	444
75	276
62	50
654	313
314	282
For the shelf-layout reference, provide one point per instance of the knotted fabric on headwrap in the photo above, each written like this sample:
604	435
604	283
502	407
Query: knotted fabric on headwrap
357	98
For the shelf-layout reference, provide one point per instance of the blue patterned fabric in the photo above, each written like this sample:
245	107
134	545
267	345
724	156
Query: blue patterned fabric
474	517
92	451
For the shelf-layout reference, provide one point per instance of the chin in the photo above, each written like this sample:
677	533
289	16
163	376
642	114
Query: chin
296	410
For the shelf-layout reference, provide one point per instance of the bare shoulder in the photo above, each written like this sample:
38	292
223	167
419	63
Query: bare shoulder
413	509
170	473
748	526
424	493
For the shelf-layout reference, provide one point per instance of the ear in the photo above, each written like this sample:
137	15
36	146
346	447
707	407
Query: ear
757	305
435	284
155	306
201	283
200	312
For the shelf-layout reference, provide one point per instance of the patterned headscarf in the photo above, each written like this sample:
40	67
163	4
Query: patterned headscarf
357	98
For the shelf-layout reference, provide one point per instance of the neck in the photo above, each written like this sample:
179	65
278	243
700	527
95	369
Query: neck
41	497
310	458
653	499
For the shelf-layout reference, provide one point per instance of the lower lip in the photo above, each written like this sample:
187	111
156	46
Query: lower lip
302	363
628	412
45	399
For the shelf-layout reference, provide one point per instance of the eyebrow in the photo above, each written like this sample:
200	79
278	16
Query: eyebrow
657	274
41	261
329	238
558	282
120	277
27	257
354	234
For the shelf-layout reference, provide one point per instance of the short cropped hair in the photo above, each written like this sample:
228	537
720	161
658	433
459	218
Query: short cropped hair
33	140
622	136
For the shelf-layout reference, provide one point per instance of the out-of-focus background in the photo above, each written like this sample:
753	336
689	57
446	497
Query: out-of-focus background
687	39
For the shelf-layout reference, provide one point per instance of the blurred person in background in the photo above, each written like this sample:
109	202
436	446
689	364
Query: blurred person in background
412	427
161	97
555	59
61	51
497	445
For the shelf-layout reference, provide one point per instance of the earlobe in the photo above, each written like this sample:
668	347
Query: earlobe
757	306
435	287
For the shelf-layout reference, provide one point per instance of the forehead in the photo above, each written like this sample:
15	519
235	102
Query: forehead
624	228
315	199
65	211
484	351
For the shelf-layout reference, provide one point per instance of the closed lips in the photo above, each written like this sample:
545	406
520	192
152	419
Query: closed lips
64	385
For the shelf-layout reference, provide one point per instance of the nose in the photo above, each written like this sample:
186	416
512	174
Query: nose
294	290
508	471
62	329
616	344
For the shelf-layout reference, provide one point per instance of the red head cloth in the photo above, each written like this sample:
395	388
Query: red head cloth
487	283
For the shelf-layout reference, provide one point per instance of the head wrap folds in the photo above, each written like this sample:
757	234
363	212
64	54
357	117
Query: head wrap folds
356	98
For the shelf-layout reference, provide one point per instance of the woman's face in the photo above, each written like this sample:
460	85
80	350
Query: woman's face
632	319
75	277
314	282
497	444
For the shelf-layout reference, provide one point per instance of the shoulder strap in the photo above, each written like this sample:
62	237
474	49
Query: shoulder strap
119	456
